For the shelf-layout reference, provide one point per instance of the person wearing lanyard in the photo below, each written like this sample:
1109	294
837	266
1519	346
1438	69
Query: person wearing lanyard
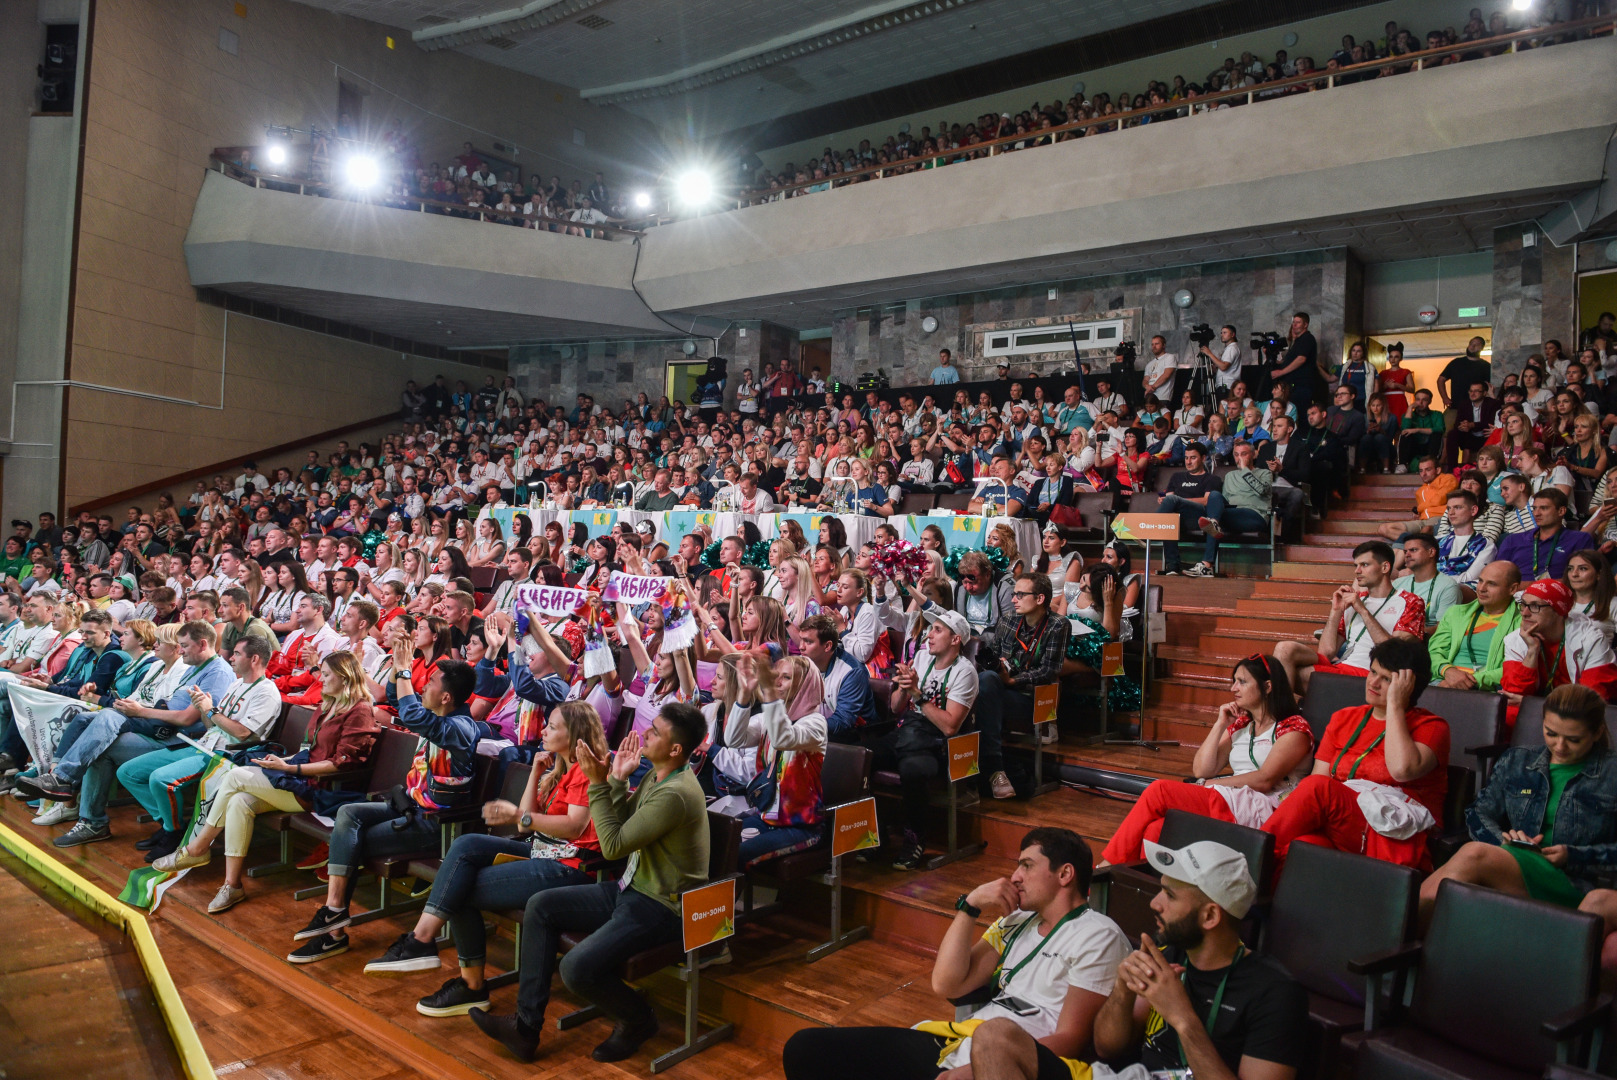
1019	653
1468	646
1551	649
932	697
1437	592
1543	552
1363	615
164	781
1227	1014
1049	959
1258	737
1387	741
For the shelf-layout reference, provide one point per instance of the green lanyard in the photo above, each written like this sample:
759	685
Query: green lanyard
224	707
1553	541
1470	641
1218	996
1365	628
943	691
1003	978
1363	720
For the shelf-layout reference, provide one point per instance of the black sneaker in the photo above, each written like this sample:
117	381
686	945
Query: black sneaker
513	1034
321	947
7	763
911	853
408	954
324	922
83	832
1170	571
151	841
454	998
167	844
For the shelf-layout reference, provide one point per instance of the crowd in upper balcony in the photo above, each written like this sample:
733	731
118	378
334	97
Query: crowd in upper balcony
1043	123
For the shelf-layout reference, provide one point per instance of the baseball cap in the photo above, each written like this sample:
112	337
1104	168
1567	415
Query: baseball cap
952	619
1218	871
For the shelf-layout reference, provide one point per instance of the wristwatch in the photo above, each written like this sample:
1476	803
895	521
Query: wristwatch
525	823
963	904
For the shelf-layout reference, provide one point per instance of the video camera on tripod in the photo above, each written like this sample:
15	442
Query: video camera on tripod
1270	344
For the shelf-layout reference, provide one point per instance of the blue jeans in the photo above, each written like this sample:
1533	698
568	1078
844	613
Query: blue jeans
994	701
1233	518
98	774
1188	513
72	758
468	884
774	839
364	830
619	924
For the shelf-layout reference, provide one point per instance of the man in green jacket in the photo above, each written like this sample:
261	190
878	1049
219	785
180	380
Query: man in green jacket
1468	646
661	828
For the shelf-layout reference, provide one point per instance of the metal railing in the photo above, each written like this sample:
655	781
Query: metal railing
226	159
1322	79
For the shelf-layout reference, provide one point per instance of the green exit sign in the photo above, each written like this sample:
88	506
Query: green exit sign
1473	312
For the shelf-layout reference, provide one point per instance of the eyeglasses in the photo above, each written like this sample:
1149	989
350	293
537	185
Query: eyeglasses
968	577
1529	608
1019	595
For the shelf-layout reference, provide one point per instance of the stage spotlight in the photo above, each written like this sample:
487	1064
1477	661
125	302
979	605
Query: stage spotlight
694	187
1520	5
642	200
362	172
276	153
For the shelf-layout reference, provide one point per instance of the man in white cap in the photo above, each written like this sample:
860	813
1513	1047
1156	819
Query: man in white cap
1202	1002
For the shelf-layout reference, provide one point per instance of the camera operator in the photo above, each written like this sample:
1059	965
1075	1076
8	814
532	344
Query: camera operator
1226	361
1126	373
1297	367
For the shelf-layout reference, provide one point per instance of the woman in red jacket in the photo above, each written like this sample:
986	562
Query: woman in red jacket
1381	770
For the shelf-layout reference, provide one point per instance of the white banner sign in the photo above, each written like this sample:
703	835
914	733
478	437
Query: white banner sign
633	589
41	717
549	602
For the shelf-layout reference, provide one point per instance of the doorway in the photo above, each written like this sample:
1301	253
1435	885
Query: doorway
1597	294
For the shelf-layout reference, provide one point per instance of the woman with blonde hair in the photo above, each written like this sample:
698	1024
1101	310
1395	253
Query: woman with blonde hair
388	568
488	548
252	579
340	737
1003	537
555	846
798	592
414	565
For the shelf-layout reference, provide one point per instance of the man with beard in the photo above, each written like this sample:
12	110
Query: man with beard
1158	1012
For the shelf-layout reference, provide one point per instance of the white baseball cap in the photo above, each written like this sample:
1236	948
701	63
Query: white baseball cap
952	619
1218	871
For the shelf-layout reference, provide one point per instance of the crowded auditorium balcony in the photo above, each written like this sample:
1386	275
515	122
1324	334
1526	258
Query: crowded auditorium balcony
1424	163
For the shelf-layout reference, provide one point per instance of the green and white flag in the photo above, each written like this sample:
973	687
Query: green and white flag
146	885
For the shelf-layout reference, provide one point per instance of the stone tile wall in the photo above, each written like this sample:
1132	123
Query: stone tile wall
1254	294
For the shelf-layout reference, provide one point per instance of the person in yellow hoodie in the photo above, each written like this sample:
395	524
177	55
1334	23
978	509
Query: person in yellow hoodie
1468	646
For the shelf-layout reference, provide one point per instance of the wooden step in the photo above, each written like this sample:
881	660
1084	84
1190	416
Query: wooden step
1235	644
1387	480
1349	540
1308	553
1353	512
1281	623
1336	527
1295	588
1286	569
1168	762
1175	690
1306	606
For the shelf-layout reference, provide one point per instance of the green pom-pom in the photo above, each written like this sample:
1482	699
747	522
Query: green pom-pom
757	554
710	556
580	563
373	540
997	556
951	562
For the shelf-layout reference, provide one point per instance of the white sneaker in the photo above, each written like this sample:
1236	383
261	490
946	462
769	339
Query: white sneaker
1402	470
1048	735
1201	569
57	813
1000	786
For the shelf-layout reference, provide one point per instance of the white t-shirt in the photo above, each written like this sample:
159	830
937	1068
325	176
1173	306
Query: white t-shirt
1154	367
957	683
1081	952
1230	354
1399	612
255	706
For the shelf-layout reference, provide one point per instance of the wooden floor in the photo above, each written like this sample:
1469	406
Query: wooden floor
259	1016
74	1000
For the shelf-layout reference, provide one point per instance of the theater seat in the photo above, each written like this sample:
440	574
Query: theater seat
1503	987
952	796
1329	908
1125	892
1329	693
